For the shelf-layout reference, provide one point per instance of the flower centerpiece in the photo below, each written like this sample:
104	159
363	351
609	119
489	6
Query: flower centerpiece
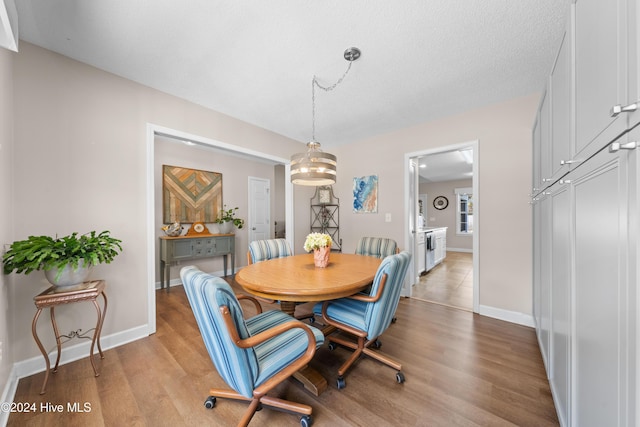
227	219
320	244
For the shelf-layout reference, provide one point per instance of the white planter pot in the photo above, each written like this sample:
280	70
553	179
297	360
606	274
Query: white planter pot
69	276
226	227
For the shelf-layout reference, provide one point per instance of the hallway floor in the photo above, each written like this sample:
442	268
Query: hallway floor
449	283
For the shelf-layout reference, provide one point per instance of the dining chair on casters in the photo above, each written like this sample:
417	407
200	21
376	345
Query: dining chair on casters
263	250
254	355
379	247
366	317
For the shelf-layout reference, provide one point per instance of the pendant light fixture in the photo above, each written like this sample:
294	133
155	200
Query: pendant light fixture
315	167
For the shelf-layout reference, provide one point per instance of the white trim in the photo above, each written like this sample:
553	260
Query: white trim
466	250
507	316
8	393
152	131
9	38
79	351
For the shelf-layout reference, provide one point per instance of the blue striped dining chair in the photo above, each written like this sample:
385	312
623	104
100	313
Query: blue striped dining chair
379	247
263	250
367	316
254	355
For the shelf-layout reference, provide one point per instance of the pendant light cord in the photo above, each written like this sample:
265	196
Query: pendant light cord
315	83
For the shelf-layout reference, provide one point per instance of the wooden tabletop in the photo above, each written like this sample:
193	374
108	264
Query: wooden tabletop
296	278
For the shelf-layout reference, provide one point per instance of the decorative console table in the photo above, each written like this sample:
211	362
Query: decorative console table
174	249
54	296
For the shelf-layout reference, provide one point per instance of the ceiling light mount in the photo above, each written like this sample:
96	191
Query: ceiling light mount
316	167
352	54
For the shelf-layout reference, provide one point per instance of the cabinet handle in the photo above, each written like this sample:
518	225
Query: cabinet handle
617	109
565	181
568	162
615	146
546	179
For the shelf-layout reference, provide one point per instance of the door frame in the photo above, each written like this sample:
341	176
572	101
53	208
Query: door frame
411	200
155	130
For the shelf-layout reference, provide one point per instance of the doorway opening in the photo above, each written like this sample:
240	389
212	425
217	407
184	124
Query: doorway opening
442	211
154	133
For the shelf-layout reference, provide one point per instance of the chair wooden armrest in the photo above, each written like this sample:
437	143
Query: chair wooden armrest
252	341
369	298
254	300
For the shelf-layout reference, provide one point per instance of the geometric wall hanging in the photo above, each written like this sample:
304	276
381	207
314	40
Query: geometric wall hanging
190	195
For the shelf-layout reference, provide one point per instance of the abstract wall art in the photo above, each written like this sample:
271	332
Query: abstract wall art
365	194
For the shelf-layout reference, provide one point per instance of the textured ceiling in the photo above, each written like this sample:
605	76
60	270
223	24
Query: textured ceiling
255	59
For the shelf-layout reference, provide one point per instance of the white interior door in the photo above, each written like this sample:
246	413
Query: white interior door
259	209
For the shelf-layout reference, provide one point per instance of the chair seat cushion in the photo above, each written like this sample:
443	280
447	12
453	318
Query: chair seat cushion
347	311
278	352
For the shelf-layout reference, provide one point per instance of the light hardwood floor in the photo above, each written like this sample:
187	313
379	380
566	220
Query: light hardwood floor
449	283
461	370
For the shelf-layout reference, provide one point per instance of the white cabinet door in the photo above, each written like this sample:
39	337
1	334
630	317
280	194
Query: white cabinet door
601	61
544	327
560	88
603	310
560	335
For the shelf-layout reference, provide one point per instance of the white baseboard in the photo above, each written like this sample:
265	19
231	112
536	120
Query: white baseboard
469	251
506	315
7	394
72	353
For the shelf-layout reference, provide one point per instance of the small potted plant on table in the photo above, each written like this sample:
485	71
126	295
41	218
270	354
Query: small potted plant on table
66	261
227	220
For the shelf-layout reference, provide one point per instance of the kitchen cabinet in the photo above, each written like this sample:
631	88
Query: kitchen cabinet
441	244
422	254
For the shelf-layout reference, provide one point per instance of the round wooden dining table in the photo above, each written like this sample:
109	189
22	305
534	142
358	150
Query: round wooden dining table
296	279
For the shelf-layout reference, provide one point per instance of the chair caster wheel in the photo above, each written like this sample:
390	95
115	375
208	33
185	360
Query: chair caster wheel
377	343
400	377
340	383
210	402
394	320
332	346
306	421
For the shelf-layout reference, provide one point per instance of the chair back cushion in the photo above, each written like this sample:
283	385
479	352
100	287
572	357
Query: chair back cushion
378	314
379	247
262	250
206	293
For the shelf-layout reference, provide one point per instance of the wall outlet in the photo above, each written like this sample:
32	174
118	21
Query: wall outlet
387	217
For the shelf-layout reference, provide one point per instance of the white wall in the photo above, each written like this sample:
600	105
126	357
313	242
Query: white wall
504	217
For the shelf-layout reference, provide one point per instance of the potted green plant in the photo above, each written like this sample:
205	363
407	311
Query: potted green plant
65	260
227	220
